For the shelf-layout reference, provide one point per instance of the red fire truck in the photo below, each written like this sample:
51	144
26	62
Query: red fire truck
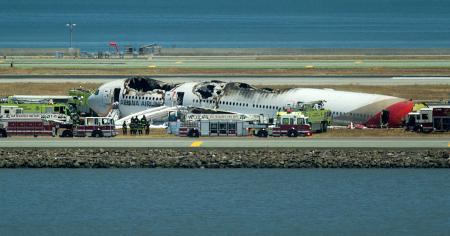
27	127
436	118
291	124
91	127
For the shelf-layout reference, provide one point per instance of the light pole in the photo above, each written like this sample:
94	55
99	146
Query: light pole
71	28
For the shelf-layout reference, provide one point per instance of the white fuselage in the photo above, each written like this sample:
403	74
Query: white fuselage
346	107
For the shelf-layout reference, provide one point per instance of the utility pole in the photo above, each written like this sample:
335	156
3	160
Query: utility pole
71	28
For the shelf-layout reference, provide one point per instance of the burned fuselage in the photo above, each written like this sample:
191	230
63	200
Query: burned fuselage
246	99
139	94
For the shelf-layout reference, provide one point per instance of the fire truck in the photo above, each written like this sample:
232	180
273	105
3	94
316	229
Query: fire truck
319	118
429	119
26	127
89	127
287	123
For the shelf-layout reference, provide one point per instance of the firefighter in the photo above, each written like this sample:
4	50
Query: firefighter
147	128
133	126
143	124
137	124
124	128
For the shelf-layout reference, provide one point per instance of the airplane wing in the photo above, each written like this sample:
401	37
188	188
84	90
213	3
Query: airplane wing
152	113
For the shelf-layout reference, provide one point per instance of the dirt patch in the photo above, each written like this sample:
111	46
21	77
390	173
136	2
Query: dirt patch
8	89
352	133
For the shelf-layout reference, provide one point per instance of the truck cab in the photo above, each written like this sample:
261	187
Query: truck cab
291	124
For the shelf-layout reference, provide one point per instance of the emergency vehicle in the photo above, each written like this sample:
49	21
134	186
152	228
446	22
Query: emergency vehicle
184	123
26	127
89	127
318	117
435	118
287	123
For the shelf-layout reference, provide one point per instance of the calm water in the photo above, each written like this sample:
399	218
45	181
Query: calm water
205	202
231	23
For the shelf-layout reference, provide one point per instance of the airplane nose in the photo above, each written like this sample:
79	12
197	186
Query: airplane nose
90	101
94	103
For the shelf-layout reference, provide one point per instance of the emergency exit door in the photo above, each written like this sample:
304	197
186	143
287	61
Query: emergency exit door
116	94
180	97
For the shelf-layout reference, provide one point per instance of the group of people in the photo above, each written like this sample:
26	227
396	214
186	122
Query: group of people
137	126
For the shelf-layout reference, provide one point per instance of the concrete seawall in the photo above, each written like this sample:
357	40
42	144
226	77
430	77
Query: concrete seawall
224	158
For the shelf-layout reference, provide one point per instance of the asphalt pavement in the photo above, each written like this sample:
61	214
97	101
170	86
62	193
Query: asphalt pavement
255	80
248	142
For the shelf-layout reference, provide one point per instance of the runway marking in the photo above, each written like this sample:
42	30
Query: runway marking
309	66
178	62
449	145
359	62
197	144
152	66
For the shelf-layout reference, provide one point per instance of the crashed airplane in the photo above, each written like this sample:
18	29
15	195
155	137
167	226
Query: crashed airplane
146	96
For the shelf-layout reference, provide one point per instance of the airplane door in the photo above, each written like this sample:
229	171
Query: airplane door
116	94
384	118
180	96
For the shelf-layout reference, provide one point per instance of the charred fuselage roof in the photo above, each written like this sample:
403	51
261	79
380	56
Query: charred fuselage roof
146	84
217	88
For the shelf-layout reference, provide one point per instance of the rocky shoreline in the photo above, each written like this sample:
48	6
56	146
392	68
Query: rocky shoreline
224	158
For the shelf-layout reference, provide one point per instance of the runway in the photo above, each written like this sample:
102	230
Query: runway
252	142
254	80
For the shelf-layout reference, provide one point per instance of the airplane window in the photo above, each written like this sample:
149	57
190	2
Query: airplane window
253	105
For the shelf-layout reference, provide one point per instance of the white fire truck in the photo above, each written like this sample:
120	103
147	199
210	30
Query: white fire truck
429	119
